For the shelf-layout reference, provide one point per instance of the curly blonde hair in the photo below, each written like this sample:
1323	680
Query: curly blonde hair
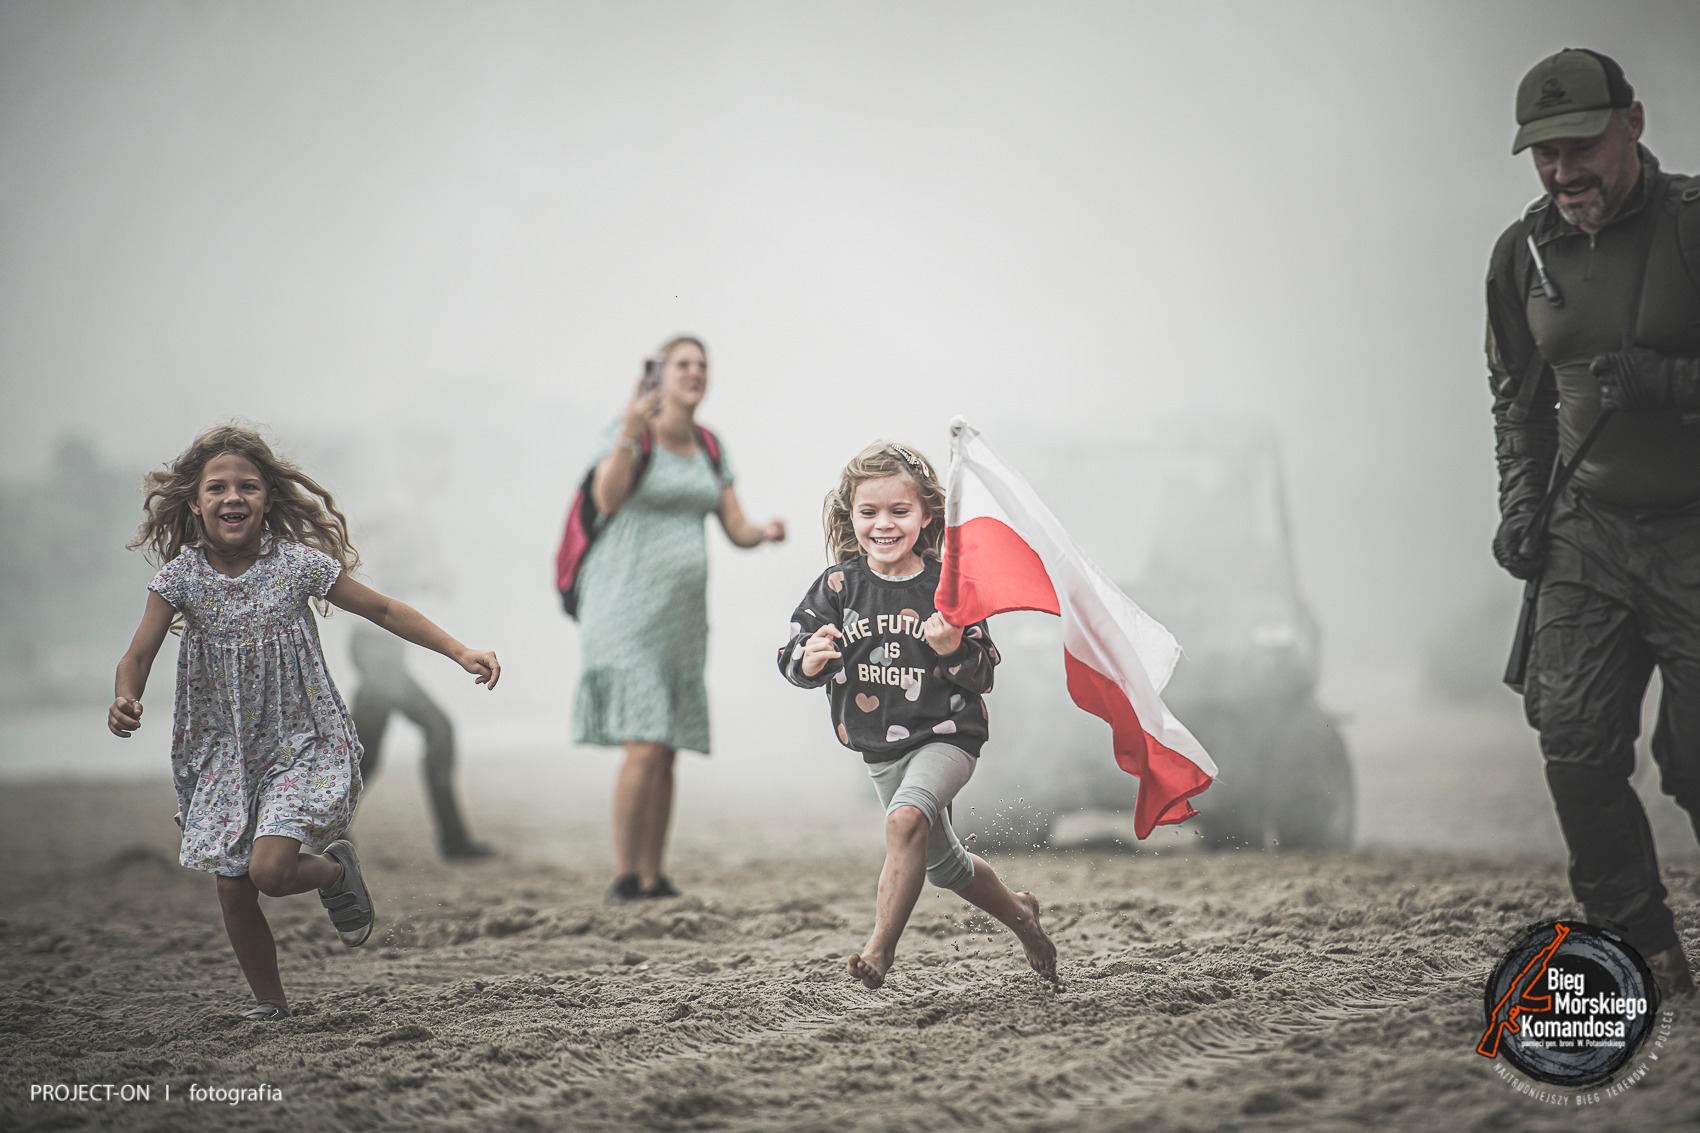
877	461
302	511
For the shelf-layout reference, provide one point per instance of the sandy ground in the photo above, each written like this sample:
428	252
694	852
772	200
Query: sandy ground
1200	991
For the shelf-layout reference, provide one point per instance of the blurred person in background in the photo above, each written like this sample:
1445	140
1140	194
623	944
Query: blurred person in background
387	687
404	553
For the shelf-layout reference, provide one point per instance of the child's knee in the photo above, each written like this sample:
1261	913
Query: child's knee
270	877
906	824
953	874
236	894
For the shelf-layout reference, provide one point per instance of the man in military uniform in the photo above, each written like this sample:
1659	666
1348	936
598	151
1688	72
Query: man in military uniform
1594	320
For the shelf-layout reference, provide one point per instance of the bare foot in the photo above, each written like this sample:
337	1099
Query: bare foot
869	967
1041	953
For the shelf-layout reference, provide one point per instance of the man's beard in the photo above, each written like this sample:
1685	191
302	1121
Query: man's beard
1602	208
1589	214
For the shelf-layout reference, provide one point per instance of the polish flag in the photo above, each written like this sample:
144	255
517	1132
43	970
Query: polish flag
1004	550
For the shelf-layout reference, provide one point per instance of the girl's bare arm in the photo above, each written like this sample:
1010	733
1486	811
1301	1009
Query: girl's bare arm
125	715
410	625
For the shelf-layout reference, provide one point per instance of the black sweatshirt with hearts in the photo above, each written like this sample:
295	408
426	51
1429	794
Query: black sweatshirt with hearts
890	692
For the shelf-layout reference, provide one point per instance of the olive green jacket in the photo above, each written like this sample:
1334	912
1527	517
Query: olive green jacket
1544	396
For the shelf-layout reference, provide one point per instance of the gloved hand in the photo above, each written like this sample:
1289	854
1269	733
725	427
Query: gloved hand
1640	379
1508	545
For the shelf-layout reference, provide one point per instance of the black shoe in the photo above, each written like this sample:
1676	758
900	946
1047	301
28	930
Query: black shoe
624	889
661	888
467	851
266	1012
1671	972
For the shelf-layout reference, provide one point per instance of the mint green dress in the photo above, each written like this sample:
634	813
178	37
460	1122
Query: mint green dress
643	608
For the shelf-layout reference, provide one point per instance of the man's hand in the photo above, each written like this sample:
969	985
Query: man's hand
819	649
1508	545
1636	379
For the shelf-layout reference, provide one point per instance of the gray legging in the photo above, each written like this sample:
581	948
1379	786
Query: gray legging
928	779
386	687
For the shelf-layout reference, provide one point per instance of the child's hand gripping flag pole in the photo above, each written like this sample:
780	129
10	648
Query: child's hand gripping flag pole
1003	551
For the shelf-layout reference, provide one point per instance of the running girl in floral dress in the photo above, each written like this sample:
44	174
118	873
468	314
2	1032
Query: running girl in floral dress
905	687
263	753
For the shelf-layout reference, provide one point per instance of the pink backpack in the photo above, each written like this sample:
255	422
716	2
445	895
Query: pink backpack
582	529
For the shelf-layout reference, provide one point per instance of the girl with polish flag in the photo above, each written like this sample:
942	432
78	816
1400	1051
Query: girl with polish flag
905	683
1003	551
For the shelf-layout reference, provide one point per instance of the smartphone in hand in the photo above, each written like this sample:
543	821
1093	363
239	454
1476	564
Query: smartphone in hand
651	376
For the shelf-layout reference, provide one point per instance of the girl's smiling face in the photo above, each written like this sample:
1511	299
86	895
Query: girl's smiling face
232	502
888	516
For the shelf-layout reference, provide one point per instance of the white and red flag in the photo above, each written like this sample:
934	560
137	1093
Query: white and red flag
1004	551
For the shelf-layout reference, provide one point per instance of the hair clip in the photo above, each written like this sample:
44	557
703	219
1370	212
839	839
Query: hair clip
914	461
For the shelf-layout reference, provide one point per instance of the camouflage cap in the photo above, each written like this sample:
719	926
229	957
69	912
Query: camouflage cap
1569	95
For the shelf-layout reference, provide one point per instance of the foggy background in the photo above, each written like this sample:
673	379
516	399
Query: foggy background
426	245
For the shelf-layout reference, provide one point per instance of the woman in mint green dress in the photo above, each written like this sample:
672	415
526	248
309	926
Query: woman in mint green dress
643	605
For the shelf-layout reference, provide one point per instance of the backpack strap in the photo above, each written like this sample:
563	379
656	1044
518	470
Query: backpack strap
582	528
1644	252
646	448
642	451
1511	342
711	445
1685	198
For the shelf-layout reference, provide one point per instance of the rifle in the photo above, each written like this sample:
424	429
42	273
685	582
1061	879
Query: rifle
1517	665
1518	998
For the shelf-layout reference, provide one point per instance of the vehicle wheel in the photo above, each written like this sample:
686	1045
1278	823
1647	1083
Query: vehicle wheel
1231	824
1233	814
1316	808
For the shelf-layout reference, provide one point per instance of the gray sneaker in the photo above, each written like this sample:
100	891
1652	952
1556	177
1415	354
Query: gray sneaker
349	904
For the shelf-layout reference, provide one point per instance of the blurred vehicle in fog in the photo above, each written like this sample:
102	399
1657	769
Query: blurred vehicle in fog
1194	527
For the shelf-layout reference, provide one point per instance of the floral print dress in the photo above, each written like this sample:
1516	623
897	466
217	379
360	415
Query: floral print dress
262	742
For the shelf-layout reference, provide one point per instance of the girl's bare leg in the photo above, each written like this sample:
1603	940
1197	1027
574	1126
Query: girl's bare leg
1020	911
643	811
278	868
251	938
900	884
